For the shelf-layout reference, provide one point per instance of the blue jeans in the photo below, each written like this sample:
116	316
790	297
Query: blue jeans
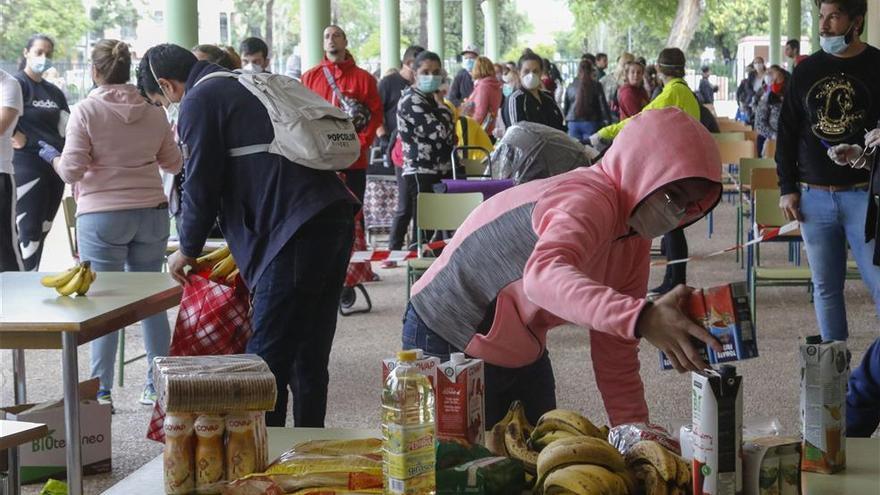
132	241
534	384
294	320
831	220
582	129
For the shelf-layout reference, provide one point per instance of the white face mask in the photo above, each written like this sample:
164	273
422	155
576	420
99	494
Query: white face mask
39	64
252	69
656	216
531	81
172	111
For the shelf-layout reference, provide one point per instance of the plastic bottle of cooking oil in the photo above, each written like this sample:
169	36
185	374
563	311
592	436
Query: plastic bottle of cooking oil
408	429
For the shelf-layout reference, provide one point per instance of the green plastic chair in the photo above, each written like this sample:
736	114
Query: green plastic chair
437	212
744	181
729	136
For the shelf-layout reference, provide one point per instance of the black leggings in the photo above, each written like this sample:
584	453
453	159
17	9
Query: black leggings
408	189
39	196
10	257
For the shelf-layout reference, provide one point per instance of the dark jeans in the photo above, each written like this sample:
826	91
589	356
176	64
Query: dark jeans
674	245
408	189
533	384
295	303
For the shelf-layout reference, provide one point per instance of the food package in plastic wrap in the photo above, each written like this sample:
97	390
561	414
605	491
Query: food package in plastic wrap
489	476
355	464
530	151
239	382
624	437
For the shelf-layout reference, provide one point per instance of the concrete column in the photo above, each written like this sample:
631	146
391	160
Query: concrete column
314	17
182	22
873	22
491	28
436	41
468	23
793	28
775	35
814	28
389	30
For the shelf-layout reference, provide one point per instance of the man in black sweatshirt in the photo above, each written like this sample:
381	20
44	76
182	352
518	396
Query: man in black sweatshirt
833	98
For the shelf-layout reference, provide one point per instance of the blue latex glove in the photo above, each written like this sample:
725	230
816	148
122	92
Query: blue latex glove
48	152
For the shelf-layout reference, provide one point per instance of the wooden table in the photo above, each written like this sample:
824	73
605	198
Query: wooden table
13	434
36	317
148	480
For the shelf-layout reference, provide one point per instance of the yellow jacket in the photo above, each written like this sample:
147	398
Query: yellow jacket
676	93
470	133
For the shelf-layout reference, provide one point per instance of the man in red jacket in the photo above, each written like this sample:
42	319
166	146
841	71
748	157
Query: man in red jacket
356	85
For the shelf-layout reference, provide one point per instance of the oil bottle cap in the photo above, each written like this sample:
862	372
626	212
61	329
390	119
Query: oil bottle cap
457	357
407	356
814	339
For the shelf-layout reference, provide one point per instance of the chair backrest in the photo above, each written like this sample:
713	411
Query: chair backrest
766	210
729	136
68	204
734	151
474	159
769	148
746	165
445	211
764	178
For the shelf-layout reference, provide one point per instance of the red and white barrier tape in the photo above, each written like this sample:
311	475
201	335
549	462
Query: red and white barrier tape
764	235
386	255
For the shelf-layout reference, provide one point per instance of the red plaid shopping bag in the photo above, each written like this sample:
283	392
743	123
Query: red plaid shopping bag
213	320
359	272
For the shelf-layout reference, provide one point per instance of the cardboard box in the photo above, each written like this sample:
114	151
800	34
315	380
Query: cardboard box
725	312
717	409
824	377
461	399
771	466
427	366
46	457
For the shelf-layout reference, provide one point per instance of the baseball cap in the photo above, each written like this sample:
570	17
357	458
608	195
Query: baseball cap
471	49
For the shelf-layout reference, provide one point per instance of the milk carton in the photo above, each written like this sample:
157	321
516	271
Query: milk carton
824	375
717	421
461	399
771	466
724	311
426	365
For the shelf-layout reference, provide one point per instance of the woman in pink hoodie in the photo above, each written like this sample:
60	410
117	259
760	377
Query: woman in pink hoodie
574	248
116	145
483	104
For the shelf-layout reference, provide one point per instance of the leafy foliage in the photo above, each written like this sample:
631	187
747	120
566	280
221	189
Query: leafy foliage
64	21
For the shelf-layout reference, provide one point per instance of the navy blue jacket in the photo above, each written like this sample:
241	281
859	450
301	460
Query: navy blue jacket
261	199
863	396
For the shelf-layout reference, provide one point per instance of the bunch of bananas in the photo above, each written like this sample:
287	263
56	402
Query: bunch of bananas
658	471
509	438
583	465
562	423
77	279
224	268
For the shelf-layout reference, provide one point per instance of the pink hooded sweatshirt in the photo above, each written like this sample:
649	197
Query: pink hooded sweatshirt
116	144
559	250
485	101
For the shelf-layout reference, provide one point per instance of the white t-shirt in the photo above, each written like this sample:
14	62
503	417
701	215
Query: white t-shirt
10	96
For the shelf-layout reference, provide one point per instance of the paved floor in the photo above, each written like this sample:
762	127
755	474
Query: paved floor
785	315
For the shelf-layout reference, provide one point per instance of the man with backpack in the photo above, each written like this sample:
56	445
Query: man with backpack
289	226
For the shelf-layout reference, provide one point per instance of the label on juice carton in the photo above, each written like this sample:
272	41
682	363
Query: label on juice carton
717	422
461	399
824	375
427	365
724	311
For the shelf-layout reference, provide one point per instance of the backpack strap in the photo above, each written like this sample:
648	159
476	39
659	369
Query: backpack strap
217	75
332	82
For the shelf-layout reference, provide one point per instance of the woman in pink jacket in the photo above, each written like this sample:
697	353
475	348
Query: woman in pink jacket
116	145
483	104
574	248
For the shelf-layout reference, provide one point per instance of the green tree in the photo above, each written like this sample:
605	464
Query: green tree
63	20
108	14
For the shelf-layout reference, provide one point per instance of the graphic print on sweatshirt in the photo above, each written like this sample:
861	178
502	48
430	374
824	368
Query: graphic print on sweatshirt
837	107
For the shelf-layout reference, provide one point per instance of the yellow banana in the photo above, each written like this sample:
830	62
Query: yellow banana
86	282
230	279
74	283
683	474
579	450
214	256
650	452
495	439
650	480
59	279
223	268
571	421
515	443
585	479
542	437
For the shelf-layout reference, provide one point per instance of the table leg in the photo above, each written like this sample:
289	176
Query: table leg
71	412
13	480
18	376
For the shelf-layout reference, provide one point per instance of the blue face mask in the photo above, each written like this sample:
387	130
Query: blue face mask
835	45
429	84
468	64
507	90
39	64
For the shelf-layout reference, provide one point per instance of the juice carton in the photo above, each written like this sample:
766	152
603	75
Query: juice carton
426	365
725	312
461	399
771	466
824	375
717	421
